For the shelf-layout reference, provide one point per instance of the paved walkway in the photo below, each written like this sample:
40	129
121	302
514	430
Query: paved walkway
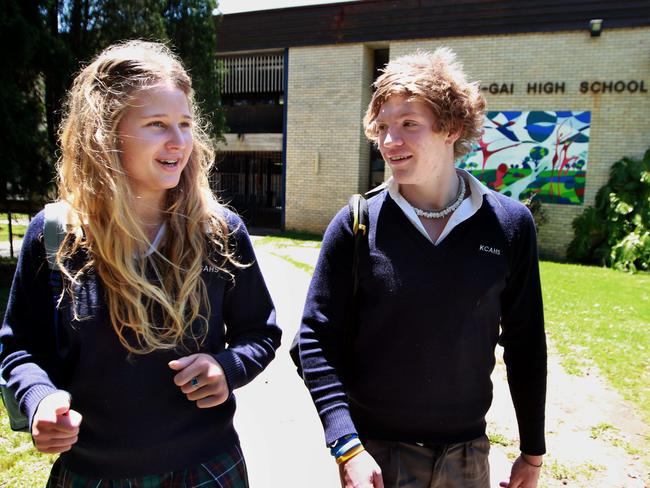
4	248
280	432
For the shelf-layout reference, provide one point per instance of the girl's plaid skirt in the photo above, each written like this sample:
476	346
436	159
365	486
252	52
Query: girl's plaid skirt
228	470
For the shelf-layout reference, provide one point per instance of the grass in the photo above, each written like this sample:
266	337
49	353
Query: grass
600	317
613	435
291	239
20	464
567	473
283	244
500	439
600	429
17	230
308	268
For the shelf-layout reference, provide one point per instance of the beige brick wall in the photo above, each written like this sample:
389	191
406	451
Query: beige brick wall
327	153
328	92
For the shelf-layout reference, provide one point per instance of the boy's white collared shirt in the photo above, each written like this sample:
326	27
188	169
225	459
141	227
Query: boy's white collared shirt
467	208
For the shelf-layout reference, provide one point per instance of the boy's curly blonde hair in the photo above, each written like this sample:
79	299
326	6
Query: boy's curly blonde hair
438	80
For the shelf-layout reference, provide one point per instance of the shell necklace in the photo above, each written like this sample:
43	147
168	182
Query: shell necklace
443	212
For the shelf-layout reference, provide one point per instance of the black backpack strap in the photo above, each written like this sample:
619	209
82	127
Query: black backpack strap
358	207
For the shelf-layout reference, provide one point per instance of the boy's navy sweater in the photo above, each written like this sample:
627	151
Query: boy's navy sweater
136	421
429	319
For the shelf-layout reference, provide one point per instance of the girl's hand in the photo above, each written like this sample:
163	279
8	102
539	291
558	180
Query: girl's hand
55	426
202	379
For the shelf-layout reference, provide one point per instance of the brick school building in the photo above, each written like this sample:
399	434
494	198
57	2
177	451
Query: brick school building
567	86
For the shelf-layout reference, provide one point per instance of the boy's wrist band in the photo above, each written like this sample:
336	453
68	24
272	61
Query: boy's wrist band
346	446
350	454
335	447
523	456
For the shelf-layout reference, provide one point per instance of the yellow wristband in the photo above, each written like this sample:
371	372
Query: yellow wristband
350	454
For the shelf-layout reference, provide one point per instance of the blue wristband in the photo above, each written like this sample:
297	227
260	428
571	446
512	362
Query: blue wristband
336	445
346	446
340	441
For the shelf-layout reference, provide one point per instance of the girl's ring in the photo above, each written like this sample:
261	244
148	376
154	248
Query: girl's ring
195	381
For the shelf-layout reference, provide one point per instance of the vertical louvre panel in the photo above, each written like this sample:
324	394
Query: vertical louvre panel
253	74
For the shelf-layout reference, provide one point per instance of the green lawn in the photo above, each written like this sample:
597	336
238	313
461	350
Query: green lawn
291	239
20	465
17	230
594	316
597	316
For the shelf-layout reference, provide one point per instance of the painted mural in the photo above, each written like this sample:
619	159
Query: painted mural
522	154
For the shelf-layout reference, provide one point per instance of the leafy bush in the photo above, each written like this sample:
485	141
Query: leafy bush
535	207
616	231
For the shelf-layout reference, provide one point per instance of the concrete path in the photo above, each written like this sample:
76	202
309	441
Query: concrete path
280	431
5	249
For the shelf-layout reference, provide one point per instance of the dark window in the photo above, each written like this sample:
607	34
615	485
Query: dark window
376	166
251	182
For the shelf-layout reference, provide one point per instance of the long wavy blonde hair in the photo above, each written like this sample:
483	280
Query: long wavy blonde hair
155	302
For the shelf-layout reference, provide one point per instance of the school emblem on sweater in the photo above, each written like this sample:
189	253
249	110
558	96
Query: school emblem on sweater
488	249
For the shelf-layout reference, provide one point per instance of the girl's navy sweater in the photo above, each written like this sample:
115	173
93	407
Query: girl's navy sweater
428	320
136	421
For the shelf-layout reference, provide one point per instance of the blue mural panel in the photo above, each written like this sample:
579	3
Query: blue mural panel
541	153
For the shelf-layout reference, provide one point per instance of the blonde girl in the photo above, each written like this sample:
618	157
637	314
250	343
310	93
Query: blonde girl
164	312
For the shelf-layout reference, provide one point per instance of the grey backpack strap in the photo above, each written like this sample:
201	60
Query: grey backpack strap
54	230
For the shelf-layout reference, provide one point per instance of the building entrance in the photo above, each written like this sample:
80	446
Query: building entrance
251	182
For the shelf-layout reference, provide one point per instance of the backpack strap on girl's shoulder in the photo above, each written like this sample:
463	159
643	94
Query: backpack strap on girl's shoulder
54	230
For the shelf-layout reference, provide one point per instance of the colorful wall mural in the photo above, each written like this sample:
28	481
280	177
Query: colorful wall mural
522	154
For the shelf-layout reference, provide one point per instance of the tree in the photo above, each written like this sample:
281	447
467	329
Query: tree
188	26
193	32
118	20
45	43
27	152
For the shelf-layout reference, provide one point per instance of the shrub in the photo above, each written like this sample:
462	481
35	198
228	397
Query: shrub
535	207
616	231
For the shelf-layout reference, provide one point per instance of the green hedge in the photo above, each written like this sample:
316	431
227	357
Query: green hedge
616	231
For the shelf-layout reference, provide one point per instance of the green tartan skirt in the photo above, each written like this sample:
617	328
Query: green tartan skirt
228	470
